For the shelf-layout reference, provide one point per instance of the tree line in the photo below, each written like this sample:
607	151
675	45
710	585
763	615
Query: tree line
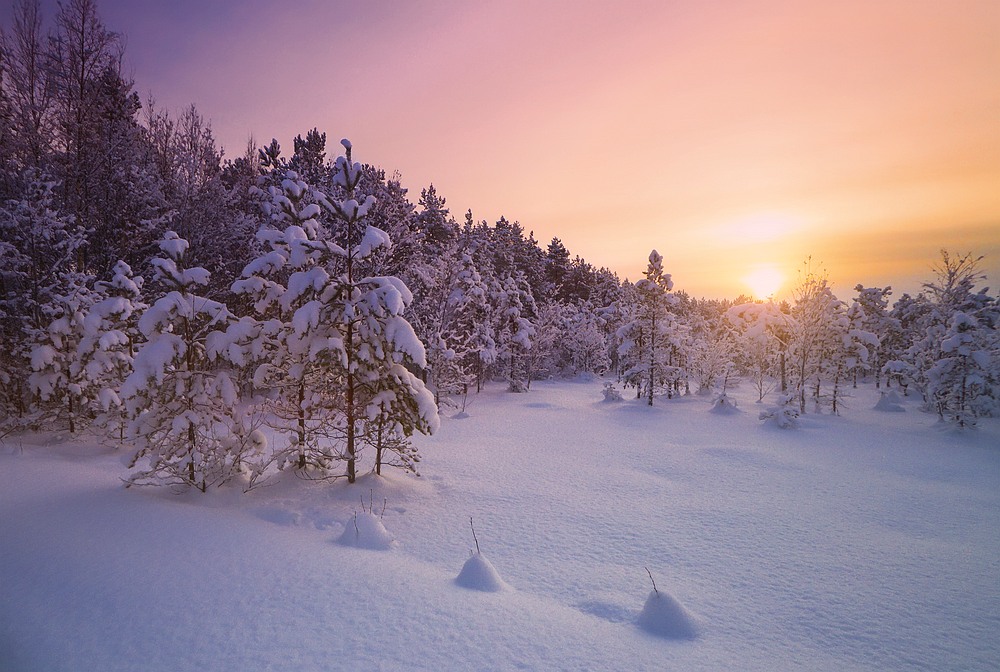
186	302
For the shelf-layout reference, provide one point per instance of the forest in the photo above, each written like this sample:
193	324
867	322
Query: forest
294	308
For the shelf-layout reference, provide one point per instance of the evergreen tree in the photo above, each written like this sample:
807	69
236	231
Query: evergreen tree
183	404
107	349
646	336
872	315
514	331
39	274
58	378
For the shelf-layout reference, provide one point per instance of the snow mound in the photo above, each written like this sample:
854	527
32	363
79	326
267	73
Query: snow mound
366	530
890	402
478	573
664	616
723	405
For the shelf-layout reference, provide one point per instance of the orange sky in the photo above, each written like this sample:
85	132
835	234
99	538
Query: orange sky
723	134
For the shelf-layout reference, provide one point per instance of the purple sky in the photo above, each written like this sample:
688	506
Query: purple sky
730	136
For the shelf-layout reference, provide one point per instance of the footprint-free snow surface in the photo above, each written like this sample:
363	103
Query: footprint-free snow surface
869	541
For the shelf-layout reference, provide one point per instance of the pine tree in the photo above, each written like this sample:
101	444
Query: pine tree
514	331
107	349
302	395
58	378
646	336
39	275
182	402
372	342
339	333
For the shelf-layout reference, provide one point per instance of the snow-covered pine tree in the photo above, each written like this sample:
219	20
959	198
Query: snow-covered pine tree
372	347
543	359
964	377
849	349
183	404
43	288
646	336
110	338
301	395
584	346
874	317
955	329
347	326
514	331
58	378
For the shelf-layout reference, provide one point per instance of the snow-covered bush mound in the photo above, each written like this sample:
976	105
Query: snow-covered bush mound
890	402
664	616
723	405
478	573
366	530
611	393
785	415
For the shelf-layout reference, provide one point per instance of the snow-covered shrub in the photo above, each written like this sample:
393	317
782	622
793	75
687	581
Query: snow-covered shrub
478	573
890	402
785	414
366	530
611	393
723	405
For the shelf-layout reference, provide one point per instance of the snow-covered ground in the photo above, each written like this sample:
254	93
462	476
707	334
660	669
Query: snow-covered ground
862	542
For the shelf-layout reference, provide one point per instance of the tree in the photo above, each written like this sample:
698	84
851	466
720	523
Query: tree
183	404
376	343
514	331
26	88
762	332
951	327
869	313
813	336
646	336
302	396
58	378
40	270
955	357
343	325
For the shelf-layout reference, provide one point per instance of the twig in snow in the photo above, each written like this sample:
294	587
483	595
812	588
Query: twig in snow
651	580
385	501
474	535
357	532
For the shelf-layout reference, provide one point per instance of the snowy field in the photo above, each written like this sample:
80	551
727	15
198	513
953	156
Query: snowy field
869	541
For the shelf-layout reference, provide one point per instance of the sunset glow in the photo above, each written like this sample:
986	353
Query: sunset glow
862	134
764	281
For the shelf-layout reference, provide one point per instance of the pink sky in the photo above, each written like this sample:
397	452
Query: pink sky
726	135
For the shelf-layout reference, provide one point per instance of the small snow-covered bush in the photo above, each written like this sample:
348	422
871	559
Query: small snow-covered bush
478	573
785	415
611	393
890	402
664	616
723	405
366	531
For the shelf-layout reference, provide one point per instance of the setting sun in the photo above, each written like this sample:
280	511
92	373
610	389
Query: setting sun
763	281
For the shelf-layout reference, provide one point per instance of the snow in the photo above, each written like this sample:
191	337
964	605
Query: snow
664	616
366	531
478	573
859	542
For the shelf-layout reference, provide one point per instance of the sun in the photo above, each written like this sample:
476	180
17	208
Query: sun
764	280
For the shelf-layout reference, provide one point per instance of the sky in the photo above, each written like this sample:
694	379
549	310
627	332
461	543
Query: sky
738	138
